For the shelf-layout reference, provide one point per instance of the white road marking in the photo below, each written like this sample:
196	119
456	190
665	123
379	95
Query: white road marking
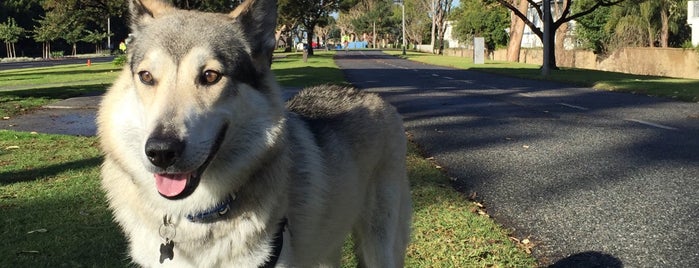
650	124
448	78
573	106
435	75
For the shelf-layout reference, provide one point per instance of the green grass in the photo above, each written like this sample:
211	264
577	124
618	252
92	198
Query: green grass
291	71
675	88
54	213
23	90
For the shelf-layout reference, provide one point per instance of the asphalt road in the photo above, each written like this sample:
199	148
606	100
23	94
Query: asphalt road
47	63
593	178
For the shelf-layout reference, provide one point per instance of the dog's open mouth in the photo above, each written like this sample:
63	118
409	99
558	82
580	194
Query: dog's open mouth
180	185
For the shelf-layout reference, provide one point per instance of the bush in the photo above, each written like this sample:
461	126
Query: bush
120	60
56	54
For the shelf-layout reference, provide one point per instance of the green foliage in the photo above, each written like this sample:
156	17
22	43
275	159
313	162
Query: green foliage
381	16
120	60
10	32
632	23
49	28
590	29
93	37
478	18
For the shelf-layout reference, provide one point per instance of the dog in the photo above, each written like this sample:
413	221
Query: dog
205	164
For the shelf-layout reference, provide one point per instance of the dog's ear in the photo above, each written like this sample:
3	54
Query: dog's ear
258	18
144	11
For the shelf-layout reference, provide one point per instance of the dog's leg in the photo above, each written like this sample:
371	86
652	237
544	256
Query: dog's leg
383	231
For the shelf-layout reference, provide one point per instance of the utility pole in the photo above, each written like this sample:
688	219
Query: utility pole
403	7
109	35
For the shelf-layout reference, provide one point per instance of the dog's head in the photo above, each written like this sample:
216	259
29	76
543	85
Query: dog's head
200	82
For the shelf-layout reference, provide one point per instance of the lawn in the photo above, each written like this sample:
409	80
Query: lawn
675	88
54	213
23	90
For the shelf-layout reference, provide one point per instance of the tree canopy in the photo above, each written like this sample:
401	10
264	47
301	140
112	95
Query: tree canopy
477	18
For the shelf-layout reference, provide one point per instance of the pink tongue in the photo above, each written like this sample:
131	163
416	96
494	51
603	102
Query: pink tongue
171	184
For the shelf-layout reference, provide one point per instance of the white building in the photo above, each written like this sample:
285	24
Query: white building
693	20
530	40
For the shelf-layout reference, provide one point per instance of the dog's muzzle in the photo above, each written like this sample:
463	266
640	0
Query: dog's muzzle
165	152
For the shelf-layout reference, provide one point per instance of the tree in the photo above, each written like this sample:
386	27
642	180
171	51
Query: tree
310	13
286	23
634	23
479	19
10	33
563	17
376	20
94	37
48	30
516	31
417	22
590	29
440	11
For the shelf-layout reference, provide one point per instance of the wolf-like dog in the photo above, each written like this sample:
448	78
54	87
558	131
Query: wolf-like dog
205	165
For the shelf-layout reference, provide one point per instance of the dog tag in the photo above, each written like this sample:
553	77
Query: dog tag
167	250
167	232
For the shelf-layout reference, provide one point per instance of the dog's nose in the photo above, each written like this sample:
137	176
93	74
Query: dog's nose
164	152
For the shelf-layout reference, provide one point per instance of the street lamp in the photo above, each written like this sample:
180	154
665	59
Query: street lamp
402	5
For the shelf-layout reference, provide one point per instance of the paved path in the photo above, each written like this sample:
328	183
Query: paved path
56	62
74	116
595	178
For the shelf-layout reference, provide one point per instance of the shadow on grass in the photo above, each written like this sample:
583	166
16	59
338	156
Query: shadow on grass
48	171
68	226
59	92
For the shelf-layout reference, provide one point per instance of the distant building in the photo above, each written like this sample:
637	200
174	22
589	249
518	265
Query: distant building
530	40
693	20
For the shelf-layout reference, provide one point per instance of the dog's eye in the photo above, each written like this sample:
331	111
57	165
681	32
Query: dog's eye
146	78
210	77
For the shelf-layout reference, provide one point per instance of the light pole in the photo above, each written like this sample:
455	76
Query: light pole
402	5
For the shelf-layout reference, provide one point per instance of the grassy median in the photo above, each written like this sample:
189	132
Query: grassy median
674	88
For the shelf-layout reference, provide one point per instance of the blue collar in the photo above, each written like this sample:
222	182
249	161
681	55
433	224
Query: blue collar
214	213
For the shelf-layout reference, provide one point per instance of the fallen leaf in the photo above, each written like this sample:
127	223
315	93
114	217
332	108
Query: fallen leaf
525	146
42	230
12	147
5	118
34	133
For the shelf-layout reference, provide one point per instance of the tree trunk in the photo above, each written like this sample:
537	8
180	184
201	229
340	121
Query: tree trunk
664	28
516	32
14	50
309	40
434	25
559	39
74	50
373	36
552	46
289	43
